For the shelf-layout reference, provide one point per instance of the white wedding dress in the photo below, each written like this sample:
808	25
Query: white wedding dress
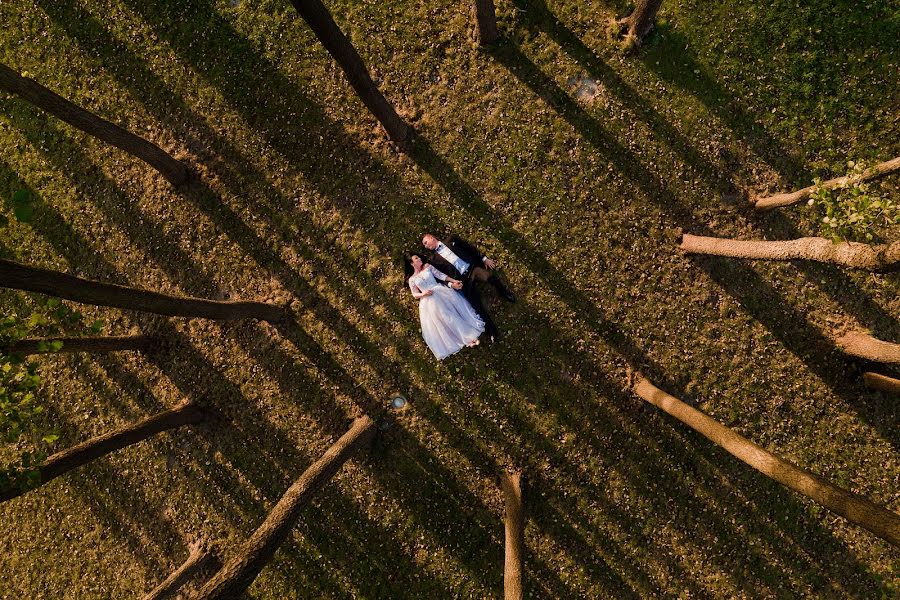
448	320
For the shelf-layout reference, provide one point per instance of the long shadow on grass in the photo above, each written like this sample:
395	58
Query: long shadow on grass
288	148
77	250
769	309
176	262
258	447
758	297
678	65
673	62
231	226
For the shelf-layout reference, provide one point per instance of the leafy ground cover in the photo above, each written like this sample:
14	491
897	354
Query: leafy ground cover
576	169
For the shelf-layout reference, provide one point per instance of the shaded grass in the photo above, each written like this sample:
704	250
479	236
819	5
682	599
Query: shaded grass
298	199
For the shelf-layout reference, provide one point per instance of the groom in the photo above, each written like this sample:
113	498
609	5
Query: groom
461	260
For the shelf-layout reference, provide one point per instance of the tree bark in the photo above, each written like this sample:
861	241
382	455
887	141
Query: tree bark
882	383
33	279
787	199
485	21
173	170
639	23
865	346
238	574
199	559
880	258
83	453
514	522
861	511
336	43
81	344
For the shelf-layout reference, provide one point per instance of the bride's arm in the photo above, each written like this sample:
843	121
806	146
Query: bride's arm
416	292
441	275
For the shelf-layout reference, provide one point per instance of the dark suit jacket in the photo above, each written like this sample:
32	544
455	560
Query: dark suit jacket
462	249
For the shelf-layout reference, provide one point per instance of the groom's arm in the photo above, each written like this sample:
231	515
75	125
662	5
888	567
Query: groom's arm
470	249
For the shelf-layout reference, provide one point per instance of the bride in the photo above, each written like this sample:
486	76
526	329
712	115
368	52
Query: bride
448	320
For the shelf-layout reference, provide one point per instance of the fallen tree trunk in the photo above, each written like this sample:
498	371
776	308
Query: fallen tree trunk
876	381
173	170
885	257
865	346
33	279
80	344
237	575
336	43
787	199
83	453
199	559
514	522
861	511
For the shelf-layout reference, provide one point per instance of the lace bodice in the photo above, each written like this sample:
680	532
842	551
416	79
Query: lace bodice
426	279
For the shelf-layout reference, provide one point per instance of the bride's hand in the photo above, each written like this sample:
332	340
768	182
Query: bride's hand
427	293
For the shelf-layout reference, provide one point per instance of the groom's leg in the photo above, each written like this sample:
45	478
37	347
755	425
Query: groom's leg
474	298
485	276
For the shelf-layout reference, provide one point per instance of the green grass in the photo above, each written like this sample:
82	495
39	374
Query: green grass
300	198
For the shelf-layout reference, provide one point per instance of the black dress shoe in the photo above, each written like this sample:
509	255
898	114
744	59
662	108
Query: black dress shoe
510	297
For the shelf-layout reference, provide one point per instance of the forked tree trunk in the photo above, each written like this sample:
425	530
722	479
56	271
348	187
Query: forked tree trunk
514	522
861	511
199	559
485	21
639	23
881	258
83	453
336	43
238	574
882	383
787	199
33	279
865	346
10	81
80	344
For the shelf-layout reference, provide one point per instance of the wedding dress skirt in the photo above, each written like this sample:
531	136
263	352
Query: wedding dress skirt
448	321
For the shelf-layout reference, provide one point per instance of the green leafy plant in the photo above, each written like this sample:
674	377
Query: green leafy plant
853	210
20	407
22	205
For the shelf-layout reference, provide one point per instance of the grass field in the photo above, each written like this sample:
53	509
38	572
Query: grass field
576	169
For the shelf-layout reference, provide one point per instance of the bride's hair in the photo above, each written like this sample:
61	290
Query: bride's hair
408	270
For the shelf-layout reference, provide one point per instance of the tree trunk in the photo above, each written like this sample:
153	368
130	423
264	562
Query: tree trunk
238	574
877	519
485	21
865	346
80	344
639	23
882	383
336	43
787	199
10	81
81	454
199	559
33	279
514	522
881	258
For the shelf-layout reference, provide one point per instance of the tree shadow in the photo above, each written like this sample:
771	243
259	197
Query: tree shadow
765	304
445	173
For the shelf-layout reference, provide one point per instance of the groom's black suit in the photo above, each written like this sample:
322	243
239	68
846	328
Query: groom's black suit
462	249
476	272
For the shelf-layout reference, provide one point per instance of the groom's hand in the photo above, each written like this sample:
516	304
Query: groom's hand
489	263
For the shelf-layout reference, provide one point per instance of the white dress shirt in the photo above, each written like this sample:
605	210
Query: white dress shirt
451	257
